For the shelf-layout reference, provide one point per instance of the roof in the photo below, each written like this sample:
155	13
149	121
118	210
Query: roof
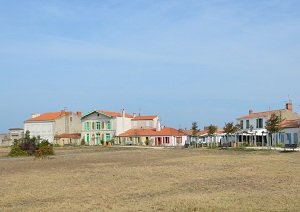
142	118
261	114
152	132
70	135
113	114
49	116
15	129
289	124
200	132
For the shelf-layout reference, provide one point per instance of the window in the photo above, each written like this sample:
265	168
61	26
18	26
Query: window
259	123
289	139
71	119
108	125
247	124
107	137
87	125
242	124
98	125
98	139
87	138
295	138
167	140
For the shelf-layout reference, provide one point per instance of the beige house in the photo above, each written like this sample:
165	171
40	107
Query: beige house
52	124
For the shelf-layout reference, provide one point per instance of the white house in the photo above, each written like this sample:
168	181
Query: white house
253	125
52	124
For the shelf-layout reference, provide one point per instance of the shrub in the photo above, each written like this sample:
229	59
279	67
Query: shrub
16	151
44	151
31	146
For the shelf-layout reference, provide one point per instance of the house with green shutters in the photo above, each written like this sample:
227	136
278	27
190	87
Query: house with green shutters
100	125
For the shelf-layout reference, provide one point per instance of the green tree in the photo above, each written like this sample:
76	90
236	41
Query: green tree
273	125
194	128
212	129
230	129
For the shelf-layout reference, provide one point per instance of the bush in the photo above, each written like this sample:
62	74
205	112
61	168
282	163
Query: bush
44	151
31	146
16	151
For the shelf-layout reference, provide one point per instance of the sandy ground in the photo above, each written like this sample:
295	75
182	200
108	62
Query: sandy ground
138	179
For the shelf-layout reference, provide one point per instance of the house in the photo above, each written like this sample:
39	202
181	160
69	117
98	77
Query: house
51	124
153	136
5	140
252	125
144	121
202	136
16	133
101	125
289	133
68	139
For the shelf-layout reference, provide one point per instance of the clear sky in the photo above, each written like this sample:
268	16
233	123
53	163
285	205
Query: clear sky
187	60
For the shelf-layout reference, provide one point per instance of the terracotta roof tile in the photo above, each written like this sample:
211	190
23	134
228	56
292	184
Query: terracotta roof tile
114	114
289	124
152	132
50	116
261	114
70	135
200	132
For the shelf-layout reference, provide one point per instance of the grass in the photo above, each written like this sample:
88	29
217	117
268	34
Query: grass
135	179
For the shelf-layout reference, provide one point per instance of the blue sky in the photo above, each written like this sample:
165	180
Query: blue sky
189	60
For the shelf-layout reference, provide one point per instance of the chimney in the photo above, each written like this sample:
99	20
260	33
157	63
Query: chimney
79	114
134	115
35	115
289	106
250	111
158	126
123	112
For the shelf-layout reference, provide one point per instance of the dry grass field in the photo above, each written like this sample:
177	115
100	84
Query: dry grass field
135	179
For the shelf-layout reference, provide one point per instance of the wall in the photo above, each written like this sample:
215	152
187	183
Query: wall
43	129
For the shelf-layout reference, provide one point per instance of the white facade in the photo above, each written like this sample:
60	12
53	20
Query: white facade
43	129
49	125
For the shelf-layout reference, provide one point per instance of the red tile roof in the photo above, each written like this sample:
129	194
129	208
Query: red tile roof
289	124
114	114
261	114
70	135
50	116
142	118
152	132
200	132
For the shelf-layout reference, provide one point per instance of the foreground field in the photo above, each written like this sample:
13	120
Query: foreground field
134	179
